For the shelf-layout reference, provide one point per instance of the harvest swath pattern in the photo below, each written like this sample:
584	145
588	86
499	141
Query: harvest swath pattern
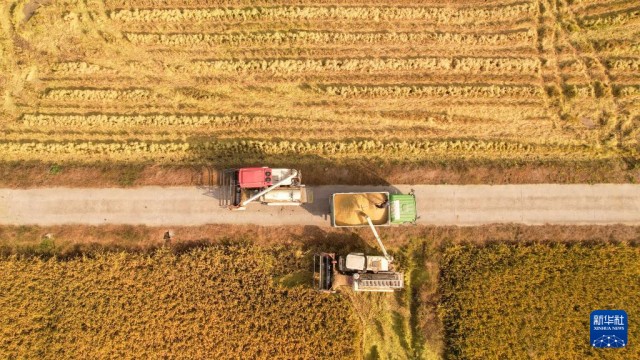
226	81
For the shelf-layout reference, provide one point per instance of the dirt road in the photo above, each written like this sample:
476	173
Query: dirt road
437	205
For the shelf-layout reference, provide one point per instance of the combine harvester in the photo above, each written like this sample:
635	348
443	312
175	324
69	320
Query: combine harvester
364	272
276	187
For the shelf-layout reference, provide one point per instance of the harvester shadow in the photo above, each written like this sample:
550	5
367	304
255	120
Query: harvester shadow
340	241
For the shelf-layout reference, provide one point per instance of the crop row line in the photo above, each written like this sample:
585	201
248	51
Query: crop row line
469	91
445	15
618	46
274	38
286	66
96	94
599	8
159	120
627	90
624	64
79	67
359	65
611	19
200	4
405	125
142	150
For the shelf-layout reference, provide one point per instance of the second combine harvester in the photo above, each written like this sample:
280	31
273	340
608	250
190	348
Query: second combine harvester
364	272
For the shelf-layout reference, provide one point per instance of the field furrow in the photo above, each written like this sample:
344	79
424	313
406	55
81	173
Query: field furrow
617	47
624	78
349	51
202	84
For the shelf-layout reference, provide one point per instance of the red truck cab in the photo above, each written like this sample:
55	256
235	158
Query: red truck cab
254	178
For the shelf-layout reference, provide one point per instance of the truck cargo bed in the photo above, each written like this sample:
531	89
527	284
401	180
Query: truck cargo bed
347	208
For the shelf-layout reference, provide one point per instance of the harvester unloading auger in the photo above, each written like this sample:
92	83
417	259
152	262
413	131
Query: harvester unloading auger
364	272
239	187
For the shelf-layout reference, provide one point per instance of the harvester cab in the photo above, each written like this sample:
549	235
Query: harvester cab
239	187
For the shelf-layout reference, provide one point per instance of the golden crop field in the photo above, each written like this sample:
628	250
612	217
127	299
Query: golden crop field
224	81
219	302
522	302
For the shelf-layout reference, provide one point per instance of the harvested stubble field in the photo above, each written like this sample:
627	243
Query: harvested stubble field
230	82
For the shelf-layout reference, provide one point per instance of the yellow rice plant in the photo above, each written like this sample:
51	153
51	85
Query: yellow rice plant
442	15
96	94
300	38
611	19
467	91
79	68
198	151
288	66
629	90
570	281
624	64
155	120
618	47
218	302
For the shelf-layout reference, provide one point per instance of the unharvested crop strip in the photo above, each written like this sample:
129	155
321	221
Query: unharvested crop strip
399	125
79	68
96	94
157	120
628	90
623	64
579	90
280	38
199	4
185	151
374	51
608	7
618	46
288	66
467	91
444	15
320	26
611	19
